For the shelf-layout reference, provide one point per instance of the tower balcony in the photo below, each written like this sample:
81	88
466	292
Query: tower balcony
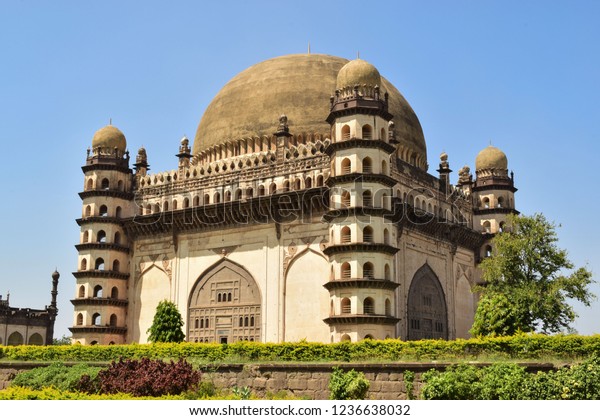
360	247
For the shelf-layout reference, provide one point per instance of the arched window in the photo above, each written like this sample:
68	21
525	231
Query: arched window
345	337
320	181
219	297
186	203
227	196
384	169
368	234
286	185
217	197
156	208
93	343
81	291
261	190
346	306
246	320
369	337
308	183
346	132
346	166
90	184
367	199
113	320
346	201
500	202
249	192
116	265
388	308
15	339
241	321
229	297
272	188
120	186
148	209
385	201
196	202
83	265
386	272
486	203
368	270
238	194
383	135
297	184
368	306
488	251
98	291
166	206
105	184
346	271
206	323
101	236
79	319
345	235
99	264
386	236
501	226
88	211
487	227
114	293
367	132
174	204
367	166
96	319
103	211
252	321
206	199
117	238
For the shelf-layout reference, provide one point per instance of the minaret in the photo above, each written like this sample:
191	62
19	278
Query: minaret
100	303
52	309
360	249
493	195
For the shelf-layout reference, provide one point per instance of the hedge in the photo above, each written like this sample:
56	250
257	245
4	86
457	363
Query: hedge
526	346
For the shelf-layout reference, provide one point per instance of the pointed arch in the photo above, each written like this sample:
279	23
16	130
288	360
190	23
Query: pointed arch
427	312
239	294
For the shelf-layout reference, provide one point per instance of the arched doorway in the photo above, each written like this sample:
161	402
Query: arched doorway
224	306
15	339
36	340
426	313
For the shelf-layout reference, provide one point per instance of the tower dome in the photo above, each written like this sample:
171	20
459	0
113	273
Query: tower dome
491	158
299	86
358	72
109	137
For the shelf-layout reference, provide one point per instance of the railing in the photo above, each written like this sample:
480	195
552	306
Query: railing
346	308
368	274
346	201
346	274
346	239
346	170
368	309
367	169
367	237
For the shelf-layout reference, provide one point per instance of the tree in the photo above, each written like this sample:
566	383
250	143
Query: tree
526	288
167	324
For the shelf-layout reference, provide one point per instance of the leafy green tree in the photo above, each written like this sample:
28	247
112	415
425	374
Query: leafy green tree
526	288
167	324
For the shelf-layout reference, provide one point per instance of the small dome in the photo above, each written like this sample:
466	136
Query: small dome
491	158
358	72
109	137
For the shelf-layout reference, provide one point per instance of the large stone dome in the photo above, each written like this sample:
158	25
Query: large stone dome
109	137
299	86
491	158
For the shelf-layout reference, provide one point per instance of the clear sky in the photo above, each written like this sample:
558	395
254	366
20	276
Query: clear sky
523	75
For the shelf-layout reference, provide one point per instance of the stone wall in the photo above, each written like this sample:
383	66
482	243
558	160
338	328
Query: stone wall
308	380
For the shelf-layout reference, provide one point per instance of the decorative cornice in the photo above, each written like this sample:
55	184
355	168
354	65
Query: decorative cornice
357	177
96	329
98	219
106	193
357	143
364	283
102	246
495	210
360	247
99	302
105	274
361	319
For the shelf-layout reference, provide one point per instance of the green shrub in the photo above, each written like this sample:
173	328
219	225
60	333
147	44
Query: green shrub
57	375
409	383
349	385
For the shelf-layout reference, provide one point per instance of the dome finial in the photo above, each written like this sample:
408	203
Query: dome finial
308	47
358	54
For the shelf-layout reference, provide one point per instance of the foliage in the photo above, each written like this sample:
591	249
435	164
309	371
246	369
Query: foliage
63	341
521	346
409	383
167	324
243	393
350	385
505	381
526	289
57	375
146	377
50	393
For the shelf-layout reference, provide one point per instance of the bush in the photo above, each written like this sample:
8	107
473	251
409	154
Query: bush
56	375
147	377
349	385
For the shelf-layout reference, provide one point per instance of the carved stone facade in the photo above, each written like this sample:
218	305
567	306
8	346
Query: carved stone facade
321	224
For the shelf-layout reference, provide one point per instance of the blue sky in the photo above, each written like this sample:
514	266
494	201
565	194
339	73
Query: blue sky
524	75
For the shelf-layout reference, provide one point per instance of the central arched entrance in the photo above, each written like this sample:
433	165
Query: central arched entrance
427	314
224	306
